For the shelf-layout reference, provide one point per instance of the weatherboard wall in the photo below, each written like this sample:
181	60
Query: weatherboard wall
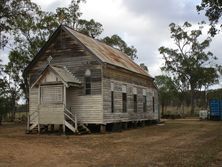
131	82
88	108
94	108
66	51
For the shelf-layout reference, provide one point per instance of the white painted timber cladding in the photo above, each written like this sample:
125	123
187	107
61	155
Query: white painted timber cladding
50	77
51	94
88	108
51	114
33	103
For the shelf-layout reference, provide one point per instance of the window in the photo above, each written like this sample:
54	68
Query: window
144	100
144	103
135	103
124	100
88	82
112	97
88	85
112	101
51	94
153	104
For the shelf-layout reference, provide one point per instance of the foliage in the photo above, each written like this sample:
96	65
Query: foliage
215	94
189	64
5	100
29	33
117	42
24	28
9	10
70	15
167	90
28	28
90	28
213	11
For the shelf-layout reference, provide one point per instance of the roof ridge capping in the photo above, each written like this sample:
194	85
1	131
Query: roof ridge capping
108	53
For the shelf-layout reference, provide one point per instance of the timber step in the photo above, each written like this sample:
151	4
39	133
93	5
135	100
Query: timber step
33	129
82	129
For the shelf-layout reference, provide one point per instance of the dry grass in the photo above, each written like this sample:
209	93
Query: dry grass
176	143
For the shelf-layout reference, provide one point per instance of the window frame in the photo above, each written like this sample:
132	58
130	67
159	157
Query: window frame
135	103
51	101
112	101
88	83
124	102
89	87
144	103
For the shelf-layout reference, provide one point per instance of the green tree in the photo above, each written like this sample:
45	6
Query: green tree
63	16
70	15
10	11
188	59
167	90
29	27
117	42
75	13
5	98
90	28
28	33
213	11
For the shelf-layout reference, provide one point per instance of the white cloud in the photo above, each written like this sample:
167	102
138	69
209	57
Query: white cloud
142	23
4	56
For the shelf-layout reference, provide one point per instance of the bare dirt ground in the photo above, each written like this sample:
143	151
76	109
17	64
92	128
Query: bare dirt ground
175	143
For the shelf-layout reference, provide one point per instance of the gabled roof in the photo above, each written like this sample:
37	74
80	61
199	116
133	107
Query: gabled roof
108	54
62	72
102	51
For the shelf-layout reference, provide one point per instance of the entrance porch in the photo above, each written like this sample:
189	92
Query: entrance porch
53	84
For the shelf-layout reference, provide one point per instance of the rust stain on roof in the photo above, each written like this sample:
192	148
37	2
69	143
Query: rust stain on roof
108	54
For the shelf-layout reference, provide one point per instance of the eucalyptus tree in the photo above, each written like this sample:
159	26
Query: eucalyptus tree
70	15
117	42
167	90
90	28
188	60
213	11
29	28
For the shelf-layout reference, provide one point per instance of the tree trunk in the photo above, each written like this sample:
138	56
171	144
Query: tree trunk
192	102
206	99
163	108
162	104
183	104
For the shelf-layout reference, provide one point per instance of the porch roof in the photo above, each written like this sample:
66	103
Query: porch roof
63	73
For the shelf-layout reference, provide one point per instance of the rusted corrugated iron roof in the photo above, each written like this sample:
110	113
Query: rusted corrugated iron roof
107	54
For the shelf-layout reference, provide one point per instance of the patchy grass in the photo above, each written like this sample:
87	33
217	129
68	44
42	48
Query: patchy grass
176	143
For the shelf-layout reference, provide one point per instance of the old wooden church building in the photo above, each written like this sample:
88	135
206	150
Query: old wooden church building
75	81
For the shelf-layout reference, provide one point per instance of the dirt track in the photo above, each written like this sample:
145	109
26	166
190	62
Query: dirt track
176	143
